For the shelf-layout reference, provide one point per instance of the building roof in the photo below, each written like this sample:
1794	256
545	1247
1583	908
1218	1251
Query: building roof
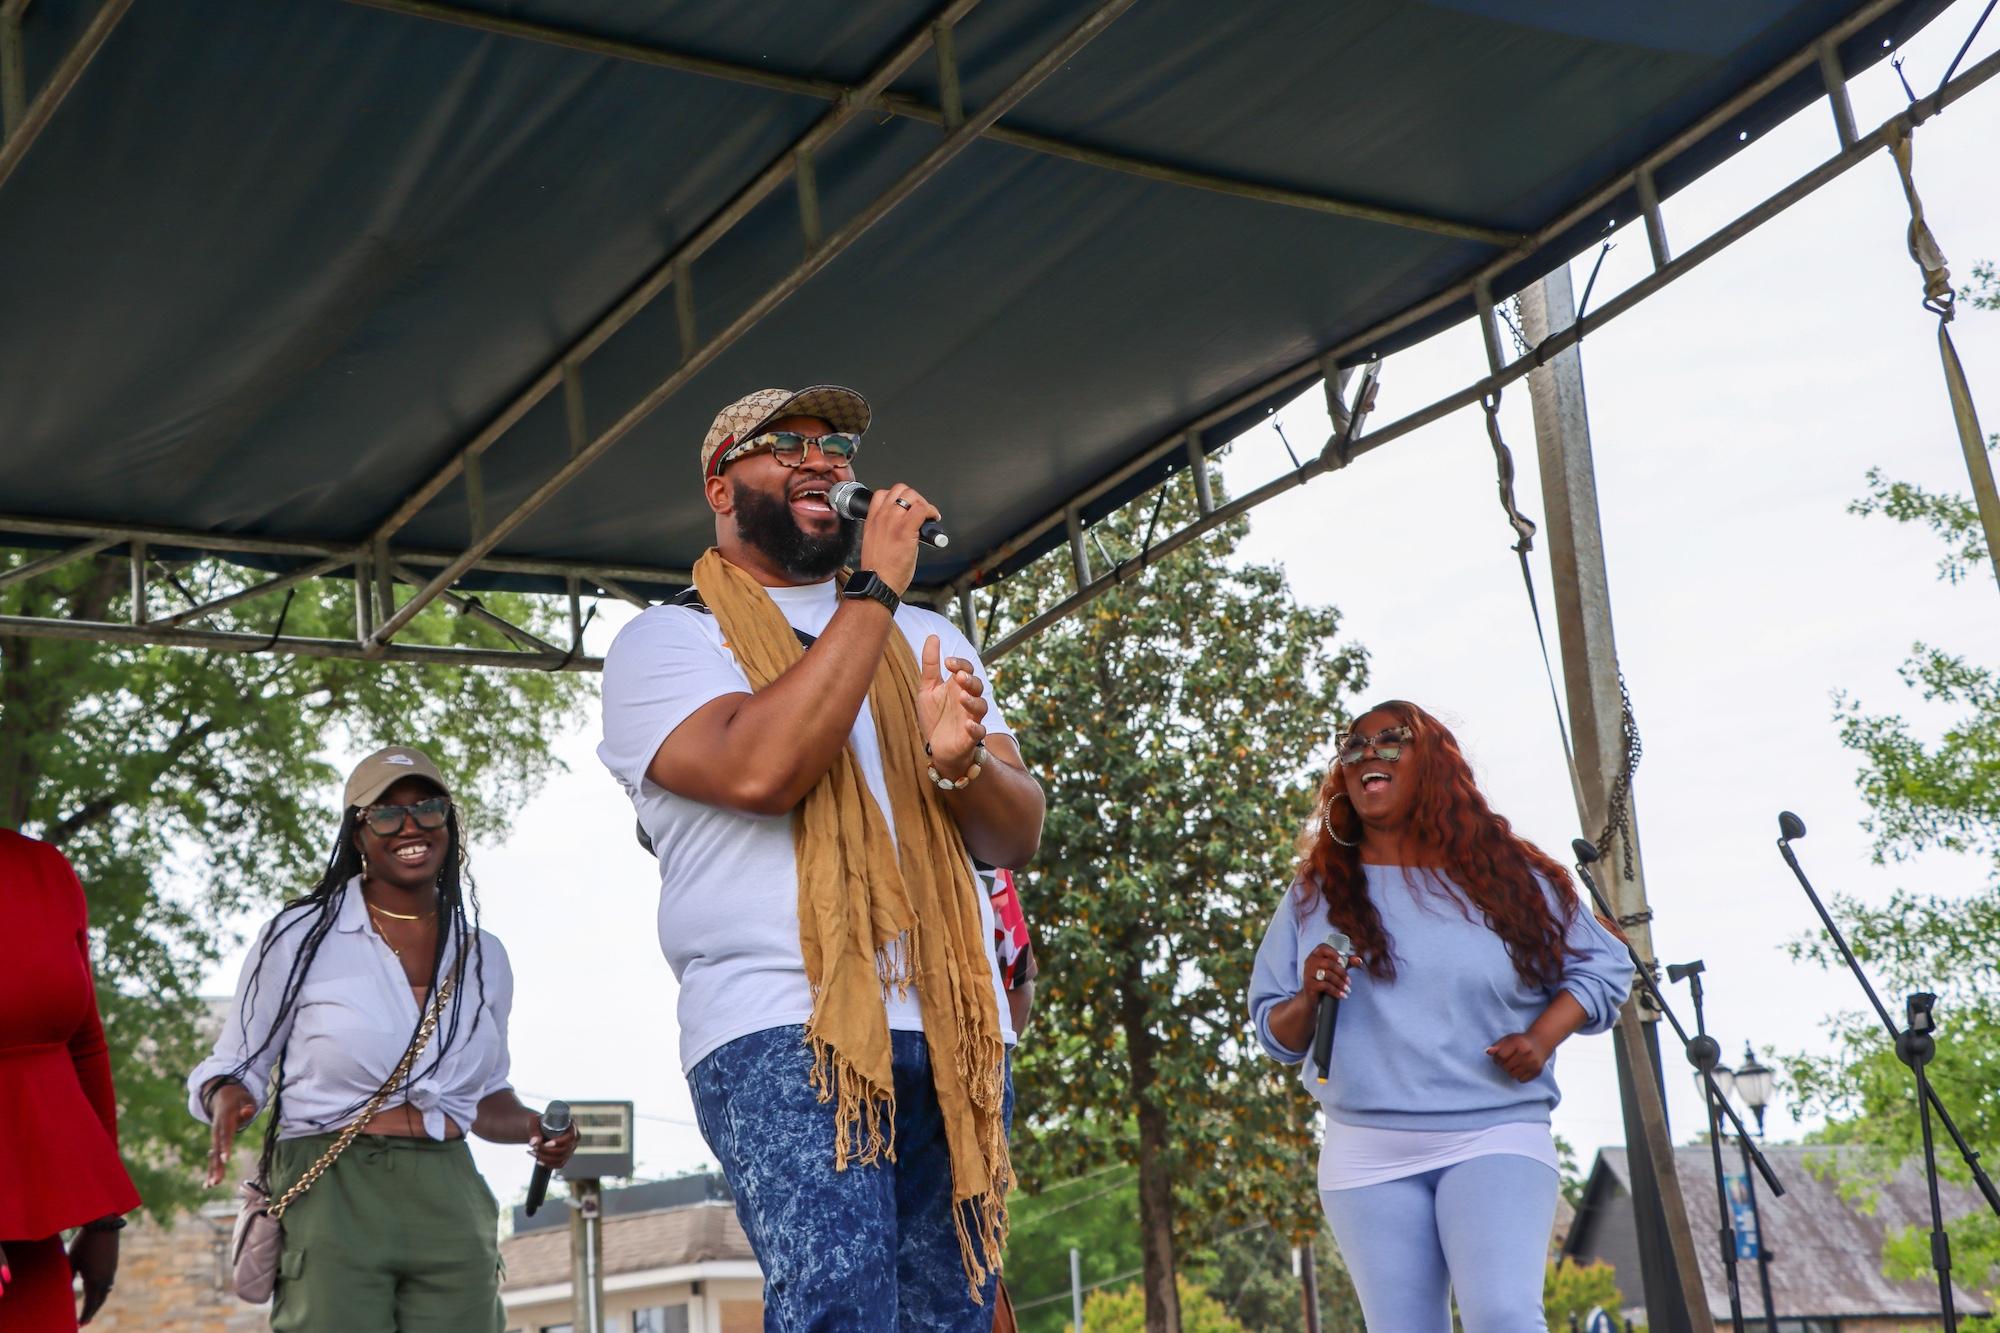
1826	1250
661	1238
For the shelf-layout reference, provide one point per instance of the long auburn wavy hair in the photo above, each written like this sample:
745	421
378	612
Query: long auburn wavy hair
1477	849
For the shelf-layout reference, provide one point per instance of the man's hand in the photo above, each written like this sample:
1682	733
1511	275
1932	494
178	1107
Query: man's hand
951	705
230	1109
93	1256
889	535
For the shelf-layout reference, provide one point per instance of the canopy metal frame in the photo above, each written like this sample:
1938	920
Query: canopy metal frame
377	565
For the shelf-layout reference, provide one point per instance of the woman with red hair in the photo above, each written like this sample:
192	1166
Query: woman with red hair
1470	961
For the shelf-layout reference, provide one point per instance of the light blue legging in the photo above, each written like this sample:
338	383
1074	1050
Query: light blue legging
1479	1228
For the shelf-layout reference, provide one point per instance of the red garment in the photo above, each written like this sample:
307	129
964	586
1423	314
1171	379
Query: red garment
42	1297
59	1164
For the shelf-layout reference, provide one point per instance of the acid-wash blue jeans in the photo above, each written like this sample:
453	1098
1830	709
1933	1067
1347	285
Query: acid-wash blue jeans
866	1250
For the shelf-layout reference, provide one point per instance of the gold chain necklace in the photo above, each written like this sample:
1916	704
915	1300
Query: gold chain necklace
402	916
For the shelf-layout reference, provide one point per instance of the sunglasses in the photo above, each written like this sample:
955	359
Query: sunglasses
387	820
789	447
1387	744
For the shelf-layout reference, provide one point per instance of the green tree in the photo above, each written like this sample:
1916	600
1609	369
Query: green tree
189	787
1249	1270
1124	1311
1179	724
1925	793
1575	1289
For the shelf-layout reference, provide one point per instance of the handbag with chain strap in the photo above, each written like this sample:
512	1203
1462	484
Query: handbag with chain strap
260	1233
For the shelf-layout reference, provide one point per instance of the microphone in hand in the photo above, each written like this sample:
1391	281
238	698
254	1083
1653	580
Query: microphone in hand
1329	1010
555	1123
850	499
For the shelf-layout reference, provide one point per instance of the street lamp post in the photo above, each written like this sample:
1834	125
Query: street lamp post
1754	1082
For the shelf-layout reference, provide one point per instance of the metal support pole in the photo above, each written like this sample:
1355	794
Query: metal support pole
34	118
1674	1296
364	598
1076	1288
968	616
1204	493
1757	1221
950	100
1079	554
13	71
806	183
48	563
1835	79
1656	224
586	1256
138	583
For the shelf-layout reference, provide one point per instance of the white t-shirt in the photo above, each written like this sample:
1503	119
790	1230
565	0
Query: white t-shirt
1357	1155
729	887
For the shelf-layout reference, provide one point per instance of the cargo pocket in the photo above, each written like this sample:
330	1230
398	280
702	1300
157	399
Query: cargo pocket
290	1310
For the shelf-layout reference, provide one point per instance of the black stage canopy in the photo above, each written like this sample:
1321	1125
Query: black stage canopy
276	273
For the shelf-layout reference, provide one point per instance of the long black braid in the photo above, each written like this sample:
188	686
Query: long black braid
314	914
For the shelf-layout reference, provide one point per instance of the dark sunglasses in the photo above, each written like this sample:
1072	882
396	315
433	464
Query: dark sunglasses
1387	744
387	820
789	447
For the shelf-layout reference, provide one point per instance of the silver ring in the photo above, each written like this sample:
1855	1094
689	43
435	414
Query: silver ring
1319	974
901	501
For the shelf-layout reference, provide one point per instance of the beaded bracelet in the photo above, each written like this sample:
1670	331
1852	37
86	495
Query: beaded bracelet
979	761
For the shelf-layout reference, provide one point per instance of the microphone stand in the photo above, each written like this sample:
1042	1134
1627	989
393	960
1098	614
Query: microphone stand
1704	1053
1586	853
1914	1047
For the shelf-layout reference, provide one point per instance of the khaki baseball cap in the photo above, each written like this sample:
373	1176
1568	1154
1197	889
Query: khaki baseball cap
384	769
841	408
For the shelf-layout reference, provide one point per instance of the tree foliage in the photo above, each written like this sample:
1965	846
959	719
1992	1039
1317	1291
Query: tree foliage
1926	791
1178	723
190	787
1575	1289
1124	1311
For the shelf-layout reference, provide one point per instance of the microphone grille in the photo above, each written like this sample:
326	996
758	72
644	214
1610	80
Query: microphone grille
847	498
1584	850
1790	825
1340	944
555	1119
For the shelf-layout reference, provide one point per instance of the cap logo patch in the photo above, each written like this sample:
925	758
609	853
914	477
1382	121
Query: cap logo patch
403	759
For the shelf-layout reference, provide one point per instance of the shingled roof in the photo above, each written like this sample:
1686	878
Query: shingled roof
1826	1251
635	1242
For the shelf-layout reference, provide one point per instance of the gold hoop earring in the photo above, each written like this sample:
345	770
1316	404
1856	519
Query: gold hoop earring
1326	821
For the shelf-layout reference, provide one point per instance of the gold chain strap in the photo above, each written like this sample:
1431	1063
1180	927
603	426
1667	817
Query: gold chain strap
347	1136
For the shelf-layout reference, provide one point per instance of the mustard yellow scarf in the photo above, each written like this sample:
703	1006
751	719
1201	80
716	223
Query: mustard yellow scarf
877	914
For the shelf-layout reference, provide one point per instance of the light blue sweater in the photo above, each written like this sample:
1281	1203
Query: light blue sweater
1411	1053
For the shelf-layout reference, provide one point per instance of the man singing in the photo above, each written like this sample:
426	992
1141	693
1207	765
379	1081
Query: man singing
815	765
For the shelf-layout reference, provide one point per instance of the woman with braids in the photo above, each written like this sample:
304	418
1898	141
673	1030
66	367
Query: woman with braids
1471	961
400	1233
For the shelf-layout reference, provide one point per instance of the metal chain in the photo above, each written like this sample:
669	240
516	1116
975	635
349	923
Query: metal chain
347	1136
1618	810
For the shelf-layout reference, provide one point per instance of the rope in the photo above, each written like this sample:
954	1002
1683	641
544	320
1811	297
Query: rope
1618	804
1940	301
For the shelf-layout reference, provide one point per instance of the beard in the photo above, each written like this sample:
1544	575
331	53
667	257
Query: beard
768	525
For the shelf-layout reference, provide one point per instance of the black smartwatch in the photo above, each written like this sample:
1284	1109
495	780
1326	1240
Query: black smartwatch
867	583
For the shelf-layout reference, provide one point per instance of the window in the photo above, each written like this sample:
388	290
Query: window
661	1319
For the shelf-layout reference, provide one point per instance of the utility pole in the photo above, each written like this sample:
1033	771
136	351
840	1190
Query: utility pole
1076	1288
586	1255
1308	1284
1675	1299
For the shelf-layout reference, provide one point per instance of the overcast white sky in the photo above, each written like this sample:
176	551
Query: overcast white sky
1733	417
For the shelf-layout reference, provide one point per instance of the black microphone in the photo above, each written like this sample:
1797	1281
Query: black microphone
1584	850
850	499
1329	1011
1790	826
555	1122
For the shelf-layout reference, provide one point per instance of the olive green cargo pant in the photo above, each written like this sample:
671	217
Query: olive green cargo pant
400	1235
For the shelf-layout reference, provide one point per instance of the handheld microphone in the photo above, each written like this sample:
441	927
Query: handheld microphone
1329	1011
850	499
555	1121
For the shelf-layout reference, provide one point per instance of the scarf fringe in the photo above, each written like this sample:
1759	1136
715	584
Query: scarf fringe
864	1115
982	1234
